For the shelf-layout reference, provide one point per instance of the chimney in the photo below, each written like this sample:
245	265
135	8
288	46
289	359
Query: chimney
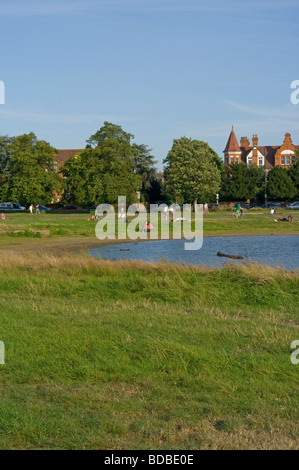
244	142
255	140
287	139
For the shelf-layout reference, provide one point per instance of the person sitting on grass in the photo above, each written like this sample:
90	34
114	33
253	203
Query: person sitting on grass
285	219
147	227
3	216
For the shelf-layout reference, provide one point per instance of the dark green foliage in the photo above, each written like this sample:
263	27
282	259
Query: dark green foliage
5	154
280	185
241	182
294	173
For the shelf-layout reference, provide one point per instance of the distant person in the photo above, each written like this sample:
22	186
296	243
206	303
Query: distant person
2	216
238	209
31	209
206	208
285	219
272	211
147	227
37	209
121	214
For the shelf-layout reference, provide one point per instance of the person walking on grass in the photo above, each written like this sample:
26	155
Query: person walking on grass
37	209
31	209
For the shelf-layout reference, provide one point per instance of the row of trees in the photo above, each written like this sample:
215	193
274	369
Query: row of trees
242	182
112	165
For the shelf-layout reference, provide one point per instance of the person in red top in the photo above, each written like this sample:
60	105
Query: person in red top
147	227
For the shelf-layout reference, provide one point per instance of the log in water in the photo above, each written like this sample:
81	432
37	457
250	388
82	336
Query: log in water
229	256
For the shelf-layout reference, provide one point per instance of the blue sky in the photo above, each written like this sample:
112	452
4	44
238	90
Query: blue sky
161	69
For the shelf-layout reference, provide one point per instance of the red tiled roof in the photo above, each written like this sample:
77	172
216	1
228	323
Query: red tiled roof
65	155
232	143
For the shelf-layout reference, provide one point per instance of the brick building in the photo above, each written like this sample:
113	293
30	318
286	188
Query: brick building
266	157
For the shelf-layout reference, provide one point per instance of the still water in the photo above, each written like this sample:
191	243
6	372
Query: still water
272	250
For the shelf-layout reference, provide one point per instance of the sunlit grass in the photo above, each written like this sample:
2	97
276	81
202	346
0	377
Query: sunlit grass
130	355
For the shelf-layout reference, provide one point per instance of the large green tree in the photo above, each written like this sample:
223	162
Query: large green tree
104	170
32	175
192	172
241	182
280	185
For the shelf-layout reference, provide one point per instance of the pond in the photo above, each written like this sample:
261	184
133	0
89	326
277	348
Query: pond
272	250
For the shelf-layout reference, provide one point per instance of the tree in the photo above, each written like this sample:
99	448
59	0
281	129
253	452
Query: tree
280	184
294	173
192	173
241	182
145	168
108	134
5	154
104	171
32	173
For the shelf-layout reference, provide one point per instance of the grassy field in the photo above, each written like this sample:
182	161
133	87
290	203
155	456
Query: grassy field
133	356
56	230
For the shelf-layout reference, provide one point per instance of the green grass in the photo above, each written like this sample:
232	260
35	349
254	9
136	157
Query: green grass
123	355
23	227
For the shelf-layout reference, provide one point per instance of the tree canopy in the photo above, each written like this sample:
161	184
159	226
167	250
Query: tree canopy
145	168
5	154
241	182
294	173
104	170
192	171
33	178
280	184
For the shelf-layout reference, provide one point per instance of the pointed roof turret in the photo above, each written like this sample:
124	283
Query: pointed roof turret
232	143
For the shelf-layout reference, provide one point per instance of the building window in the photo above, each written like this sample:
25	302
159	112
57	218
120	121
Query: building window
249	160
231	160
261	161
282	160
288	160
238	159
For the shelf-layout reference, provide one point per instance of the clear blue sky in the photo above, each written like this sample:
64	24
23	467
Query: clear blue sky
159	68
